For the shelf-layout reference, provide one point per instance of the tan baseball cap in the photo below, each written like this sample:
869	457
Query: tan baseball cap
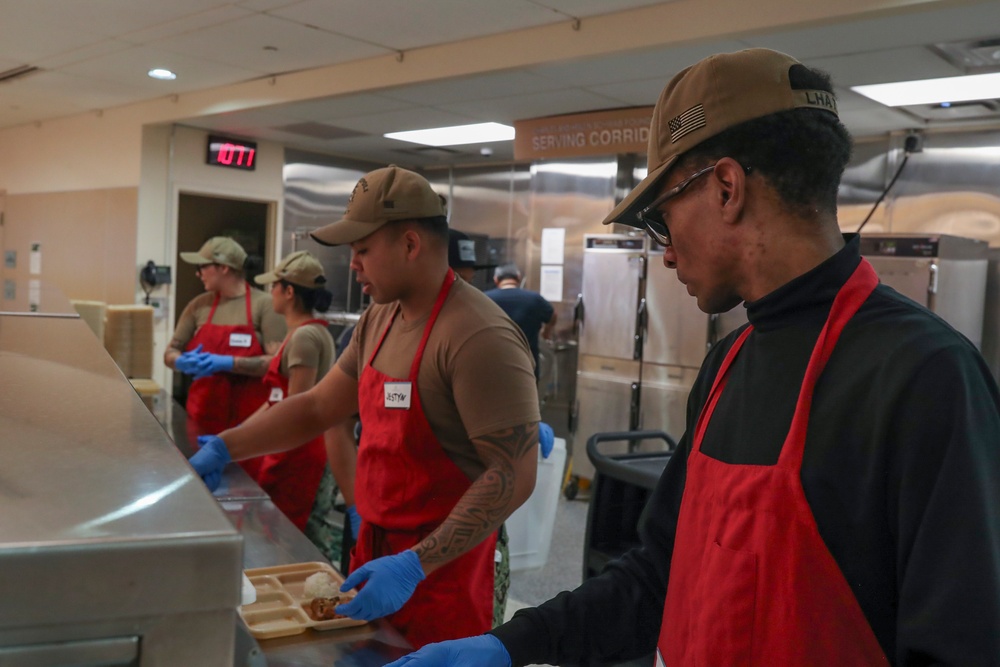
713	95
218	250
300	268
381	196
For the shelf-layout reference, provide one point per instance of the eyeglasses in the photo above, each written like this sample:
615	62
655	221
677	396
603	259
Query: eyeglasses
652	218
202	267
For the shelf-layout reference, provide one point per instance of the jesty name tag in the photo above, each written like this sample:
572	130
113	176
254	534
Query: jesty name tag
397	395
240	340
277	394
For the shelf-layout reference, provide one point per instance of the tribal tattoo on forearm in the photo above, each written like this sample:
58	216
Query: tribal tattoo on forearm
252	366
487	502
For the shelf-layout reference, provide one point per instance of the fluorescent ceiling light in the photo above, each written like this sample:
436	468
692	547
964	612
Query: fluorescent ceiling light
480	133
162	74
934	91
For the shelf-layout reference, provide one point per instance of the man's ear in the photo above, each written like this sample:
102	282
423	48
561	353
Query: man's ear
413	242
731	181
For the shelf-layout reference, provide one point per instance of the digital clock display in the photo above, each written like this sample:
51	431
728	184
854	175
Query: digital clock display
234	153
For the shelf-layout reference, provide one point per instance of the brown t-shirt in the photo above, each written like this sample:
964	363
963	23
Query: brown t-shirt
311	346
476	376
269	325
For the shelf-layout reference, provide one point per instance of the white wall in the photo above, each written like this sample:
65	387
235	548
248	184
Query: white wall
173	162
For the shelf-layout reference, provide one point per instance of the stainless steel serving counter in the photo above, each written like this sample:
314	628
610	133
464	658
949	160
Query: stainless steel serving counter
269	538
112	552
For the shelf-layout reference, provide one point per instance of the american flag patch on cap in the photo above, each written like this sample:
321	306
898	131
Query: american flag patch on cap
687	122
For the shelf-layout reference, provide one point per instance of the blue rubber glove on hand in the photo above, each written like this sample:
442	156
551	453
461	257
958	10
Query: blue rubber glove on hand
188	361
209	461
210	364
391	582
546	439
482	651
355	519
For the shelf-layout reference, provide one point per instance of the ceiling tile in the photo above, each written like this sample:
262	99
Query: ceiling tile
332	108
417	118
269	44
130	67
646	64
522	107
904	64
404	24
582	8
186	23
483	87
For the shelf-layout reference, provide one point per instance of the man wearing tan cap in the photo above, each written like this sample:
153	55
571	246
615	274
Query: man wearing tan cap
444	386
835	498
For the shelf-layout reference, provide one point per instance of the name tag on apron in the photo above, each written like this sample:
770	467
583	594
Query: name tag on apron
240	340
397	395
276	395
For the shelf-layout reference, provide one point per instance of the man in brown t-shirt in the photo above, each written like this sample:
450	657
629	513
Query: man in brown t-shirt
445	387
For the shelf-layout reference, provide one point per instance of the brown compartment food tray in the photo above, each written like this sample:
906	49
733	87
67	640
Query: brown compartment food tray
281	608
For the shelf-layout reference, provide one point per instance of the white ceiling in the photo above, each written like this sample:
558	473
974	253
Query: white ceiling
94	54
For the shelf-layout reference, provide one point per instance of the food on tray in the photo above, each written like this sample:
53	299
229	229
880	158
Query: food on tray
322	609
320	585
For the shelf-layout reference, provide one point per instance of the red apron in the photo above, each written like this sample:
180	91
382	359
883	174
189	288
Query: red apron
291	478
751	580
406	487
223	400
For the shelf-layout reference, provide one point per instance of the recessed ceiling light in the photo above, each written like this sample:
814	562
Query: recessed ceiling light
479	133
162	74
934	91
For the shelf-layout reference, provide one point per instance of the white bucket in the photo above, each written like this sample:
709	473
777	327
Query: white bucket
530	527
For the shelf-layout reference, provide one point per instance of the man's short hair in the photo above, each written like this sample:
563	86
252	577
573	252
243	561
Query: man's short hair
507	272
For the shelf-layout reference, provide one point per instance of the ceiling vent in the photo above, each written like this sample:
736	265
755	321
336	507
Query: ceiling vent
17	73
319	131
972	57
439	151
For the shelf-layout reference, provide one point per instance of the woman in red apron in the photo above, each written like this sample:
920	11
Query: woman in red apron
751	579
222	395
292	478
407	486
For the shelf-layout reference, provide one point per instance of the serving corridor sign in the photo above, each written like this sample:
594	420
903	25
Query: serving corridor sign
593	133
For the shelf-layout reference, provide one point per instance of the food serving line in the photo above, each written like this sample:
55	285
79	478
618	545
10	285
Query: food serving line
112	551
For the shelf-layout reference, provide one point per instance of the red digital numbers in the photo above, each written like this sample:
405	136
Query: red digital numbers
227	152
231	153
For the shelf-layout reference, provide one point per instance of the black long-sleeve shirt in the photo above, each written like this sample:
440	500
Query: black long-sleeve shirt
901	470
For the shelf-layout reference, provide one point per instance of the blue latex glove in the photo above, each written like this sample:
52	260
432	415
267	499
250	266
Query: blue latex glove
482	651
391	582
355	519
187	362
210	364
546	439
210	460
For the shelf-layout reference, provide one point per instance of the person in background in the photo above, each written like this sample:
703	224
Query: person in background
299	481
219	340
530	310
443	383
462	254
836	497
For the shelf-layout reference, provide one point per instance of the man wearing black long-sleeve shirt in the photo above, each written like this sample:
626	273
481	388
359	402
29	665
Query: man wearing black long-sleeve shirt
836	497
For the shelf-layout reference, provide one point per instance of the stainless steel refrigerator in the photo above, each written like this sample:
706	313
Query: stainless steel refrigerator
947	274
609	318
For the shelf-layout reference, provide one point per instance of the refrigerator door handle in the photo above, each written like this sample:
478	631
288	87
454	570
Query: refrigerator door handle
640	329
634	406
932	285
578	314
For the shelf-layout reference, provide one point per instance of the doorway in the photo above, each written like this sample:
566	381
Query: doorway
199	218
